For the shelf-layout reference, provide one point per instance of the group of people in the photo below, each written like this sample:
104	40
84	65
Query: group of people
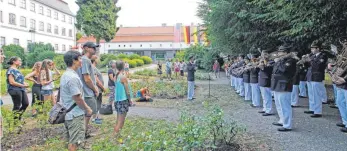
284	76
179	67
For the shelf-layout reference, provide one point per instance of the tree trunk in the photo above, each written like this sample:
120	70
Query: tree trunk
98	49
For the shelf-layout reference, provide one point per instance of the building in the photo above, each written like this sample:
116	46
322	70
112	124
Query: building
40	21
157	42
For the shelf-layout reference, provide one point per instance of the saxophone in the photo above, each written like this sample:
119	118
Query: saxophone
341	64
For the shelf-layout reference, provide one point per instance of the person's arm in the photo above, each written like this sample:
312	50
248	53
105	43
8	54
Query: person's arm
30	77
44	78
16	84
76	96
99	84
86	76
110	75
90	83
124	81
56	71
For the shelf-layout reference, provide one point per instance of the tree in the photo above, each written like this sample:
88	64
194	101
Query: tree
13	50
97	18
78	36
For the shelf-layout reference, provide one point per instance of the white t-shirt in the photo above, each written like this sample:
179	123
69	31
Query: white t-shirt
49	86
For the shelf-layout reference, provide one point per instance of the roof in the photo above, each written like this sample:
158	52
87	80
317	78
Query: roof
59	5
141	34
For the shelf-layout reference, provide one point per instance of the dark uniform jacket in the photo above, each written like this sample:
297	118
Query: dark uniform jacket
254	72
240	64
344	85
246	78
296	78
302	72
316	71
191	71
282	75
264	78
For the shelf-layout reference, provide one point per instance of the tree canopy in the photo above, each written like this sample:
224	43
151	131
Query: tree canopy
97	18
236	26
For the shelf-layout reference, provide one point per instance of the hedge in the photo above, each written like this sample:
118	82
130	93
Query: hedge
146	59
139	62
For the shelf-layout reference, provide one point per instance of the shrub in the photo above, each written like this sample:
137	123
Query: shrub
146	72
146	59
59	62
132	63
46	55
139	62
122	56
13	50
134	56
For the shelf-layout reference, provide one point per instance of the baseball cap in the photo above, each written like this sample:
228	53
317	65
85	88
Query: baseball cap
90	45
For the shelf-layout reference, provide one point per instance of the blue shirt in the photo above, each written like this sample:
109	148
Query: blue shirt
18	77
120	92
70	85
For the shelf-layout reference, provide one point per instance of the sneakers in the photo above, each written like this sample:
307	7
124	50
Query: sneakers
97	121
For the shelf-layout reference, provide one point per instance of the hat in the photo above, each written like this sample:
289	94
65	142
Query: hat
283	48
343	39
191	57
241	55
265	51
316	44
90	45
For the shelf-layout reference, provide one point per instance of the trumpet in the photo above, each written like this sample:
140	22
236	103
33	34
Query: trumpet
304	59
285	56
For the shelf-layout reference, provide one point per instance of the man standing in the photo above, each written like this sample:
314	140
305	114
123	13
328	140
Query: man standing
191	68
254	85
246	82
100	84
282	84
264	81
315	77
87	76
71	94
240	87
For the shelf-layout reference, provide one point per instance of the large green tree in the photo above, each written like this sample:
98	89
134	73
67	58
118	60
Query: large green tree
242	25
98	18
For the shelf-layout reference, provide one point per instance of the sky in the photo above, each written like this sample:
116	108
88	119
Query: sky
153	12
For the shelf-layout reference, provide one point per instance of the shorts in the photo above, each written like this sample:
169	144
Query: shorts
168	71
126	69
182	73
99	102
122	107
75	130
111	94
46	92
91	102
216	71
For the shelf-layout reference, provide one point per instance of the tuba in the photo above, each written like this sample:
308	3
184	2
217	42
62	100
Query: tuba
341	63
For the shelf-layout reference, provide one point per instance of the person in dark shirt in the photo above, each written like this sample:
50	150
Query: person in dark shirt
246	81
191	68
111	74
254	85
296	81
282	84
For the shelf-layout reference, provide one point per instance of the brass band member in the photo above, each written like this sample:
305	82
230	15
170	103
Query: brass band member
246	80
282	84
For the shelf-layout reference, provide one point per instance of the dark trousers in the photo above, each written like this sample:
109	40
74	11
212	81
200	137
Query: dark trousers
98	102
20	102
36	95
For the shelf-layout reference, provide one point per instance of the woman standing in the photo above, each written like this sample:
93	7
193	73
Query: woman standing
16	87
36	88
123	96
216	68
47	80
177	68
126	69
160	72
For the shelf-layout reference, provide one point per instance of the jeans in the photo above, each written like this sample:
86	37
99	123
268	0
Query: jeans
241	87
284	108
323	90
295	95
190	90
255	94
36	95
342	104
302	87
315	96
267	99
20	102
248	91
335	92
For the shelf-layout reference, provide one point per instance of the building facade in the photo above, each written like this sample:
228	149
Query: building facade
157	42
40	21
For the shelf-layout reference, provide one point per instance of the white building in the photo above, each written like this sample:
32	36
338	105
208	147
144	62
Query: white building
41	21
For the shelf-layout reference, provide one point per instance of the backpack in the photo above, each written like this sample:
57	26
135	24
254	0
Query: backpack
58	111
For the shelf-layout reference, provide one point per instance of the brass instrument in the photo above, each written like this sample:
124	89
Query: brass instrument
304	59
285	56
341	64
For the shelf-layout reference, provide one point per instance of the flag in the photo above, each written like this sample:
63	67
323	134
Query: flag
196	36
177	33
206	41
186	31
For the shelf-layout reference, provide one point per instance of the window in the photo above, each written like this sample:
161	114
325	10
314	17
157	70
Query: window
41	10
1	16
56	15
63	18
56	30
150	45
41	26
124	45
170	45
32	24
141	45
32	7
2	41
23	4
70	20
13	2
70	32
161	45
56	47
64	49
48	13
15	41
49	28
12	19
29	41
118	45
63	33
129	45
70	47
23	21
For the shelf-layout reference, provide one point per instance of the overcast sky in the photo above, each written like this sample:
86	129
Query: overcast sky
153	12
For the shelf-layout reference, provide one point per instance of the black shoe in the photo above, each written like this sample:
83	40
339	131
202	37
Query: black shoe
333	106
340	125
267	114
308	112
277	124
316	115
343	129
284	129
261	112
325	103
193	98
295	106
302	96
252	105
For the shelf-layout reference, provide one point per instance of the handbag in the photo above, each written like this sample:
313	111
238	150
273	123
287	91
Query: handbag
58	111
106	109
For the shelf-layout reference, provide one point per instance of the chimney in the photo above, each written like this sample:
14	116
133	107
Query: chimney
163	24
120	25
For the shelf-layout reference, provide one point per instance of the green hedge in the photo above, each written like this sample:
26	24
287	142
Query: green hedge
134	56
139	62
146	59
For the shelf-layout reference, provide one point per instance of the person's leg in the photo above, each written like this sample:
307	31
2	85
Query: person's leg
295	95
111	95
122	108
310	96
317	89
193	89
242	88
25	102
16	96
98	105
35	95
190	90
91	102
341	103
277	97
323	92
76	132
285	105
268	100
247	91
302	87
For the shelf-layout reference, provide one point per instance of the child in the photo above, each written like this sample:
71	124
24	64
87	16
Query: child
143	95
